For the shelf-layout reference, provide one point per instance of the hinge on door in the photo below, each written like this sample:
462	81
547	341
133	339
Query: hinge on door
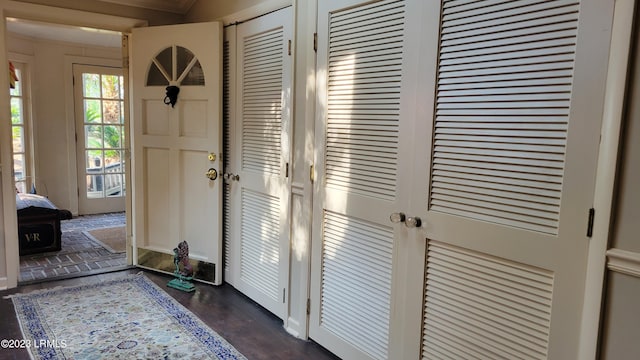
125	51
315	42
308	306
286	170
312	174
592	214
289	48
284	291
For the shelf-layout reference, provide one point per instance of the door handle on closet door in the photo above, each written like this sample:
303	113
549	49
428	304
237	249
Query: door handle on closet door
231	177
409	221
413	222
397	217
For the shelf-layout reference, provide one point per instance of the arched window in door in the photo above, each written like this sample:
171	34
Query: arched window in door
175	65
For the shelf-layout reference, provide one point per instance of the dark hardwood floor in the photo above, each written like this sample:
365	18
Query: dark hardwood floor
252	330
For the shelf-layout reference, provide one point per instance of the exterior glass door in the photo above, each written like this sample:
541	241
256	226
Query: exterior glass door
101	132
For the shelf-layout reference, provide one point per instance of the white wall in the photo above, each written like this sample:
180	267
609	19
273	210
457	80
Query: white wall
621	324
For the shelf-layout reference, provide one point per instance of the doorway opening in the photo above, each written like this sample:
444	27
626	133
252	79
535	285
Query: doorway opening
53	144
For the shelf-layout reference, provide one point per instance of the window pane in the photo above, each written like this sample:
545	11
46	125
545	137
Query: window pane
111	111
121	87
112	136
21	186
165	59
91	85
18	139
93	159
95	186
121	161
114	161
18	166
155	77
195	76
93	136
113	184
16	111
183	57
110	86
17	89
92	111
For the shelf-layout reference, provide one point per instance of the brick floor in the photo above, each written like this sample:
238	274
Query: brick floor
79	255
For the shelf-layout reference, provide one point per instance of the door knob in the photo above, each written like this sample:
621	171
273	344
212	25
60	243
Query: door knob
397	217
230	176
413	222
212	174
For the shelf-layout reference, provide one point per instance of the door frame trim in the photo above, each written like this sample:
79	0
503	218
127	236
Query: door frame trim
613	115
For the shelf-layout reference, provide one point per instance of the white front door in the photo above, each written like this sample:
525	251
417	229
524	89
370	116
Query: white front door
100	132
177	146
258	176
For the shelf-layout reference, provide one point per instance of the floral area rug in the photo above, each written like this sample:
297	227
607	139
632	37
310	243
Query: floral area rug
128	318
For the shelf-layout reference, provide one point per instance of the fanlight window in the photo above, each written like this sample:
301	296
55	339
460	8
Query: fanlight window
175	65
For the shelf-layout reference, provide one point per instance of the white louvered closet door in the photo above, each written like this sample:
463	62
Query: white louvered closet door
514	93
361	132
261	194
229	153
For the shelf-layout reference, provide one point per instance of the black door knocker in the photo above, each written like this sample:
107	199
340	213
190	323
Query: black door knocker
172	95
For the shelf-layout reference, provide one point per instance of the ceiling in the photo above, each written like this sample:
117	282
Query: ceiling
174	6
89	36
64	33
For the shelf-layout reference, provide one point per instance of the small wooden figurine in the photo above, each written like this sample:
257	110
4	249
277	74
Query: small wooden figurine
184	270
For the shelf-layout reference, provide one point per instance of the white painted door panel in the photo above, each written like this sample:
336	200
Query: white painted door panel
490	140
173	199
364	97
504	179
260	194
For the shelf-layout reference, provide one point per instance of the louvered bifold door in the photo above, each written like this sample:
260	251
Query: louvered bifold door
359	131
229	152
510	155
262	133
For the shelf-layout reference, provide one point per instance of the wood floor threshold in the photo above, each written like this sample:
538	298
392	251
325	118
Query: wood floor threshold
77	275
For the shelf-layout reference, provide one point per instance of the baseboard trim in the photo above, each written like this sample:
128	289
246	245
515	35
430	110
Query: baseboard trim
4	283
